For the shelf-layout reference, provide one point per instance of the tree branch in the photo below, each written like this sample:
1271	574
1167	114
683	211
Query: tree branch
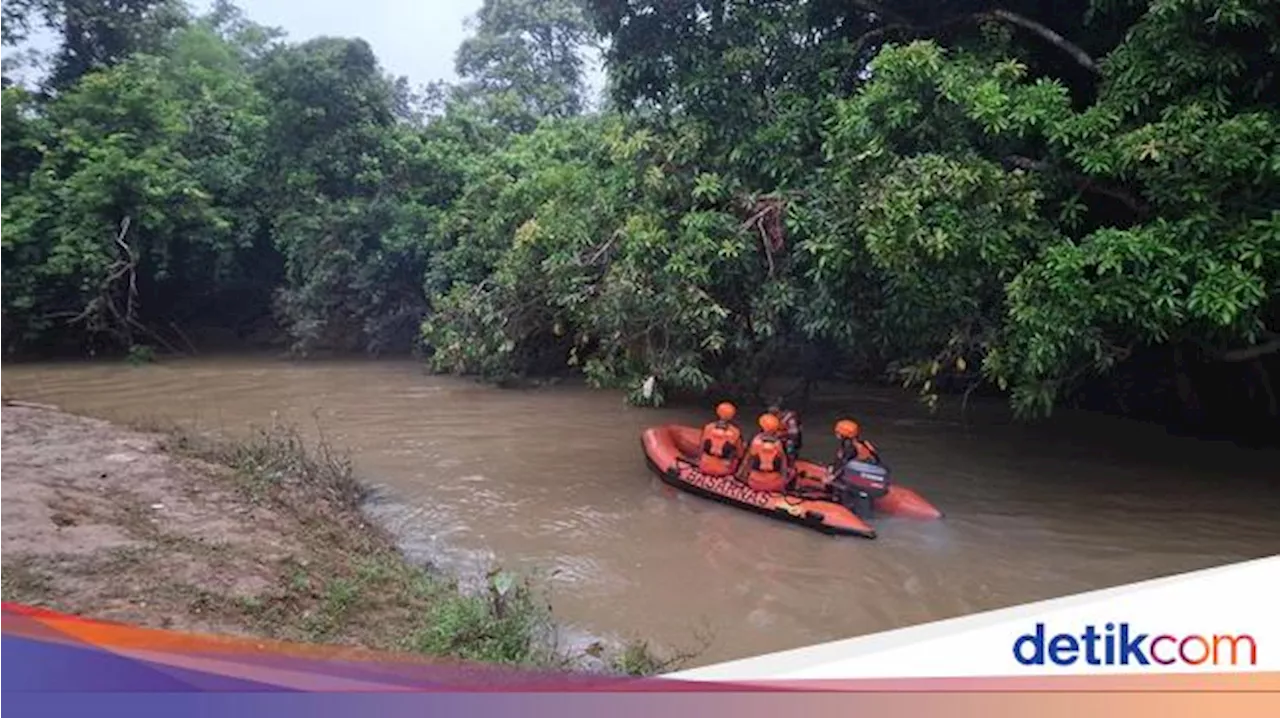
879	9
898	21
1054	38
1081	181
1251	353
865	38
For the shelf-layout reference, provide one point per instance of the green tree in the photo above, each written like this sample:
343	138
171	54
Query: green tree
1147	218
1197	263
525	61
94	34
134	211
350	194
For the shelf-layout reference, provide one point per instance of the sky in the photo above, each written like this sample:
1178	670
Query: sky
416	39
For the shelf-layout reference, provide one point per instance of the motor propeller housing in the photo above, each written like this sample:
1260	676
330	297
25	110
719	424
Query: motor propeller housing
871	479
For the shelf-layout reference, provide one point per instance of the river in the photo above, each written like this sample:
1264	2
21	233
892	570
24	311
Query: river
553	480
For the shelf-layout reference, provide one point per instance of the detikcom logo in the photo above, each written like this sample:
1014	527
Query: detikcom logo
1120	644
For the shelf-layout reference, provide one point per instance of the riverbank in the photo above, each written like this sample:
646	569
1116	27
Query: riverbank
258	537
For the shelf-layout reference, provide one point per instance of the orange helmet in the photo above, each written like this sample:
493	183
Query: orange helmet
726	411
847	429
769	422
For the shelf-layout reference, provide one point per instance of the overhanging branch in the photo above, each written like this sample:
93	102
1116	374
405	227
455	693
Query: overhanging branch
1080	181
1250	353
1054	38
876	8
895	21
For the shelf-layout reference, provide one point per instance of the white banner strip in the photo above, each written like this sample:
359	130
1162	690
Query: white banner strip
1224	619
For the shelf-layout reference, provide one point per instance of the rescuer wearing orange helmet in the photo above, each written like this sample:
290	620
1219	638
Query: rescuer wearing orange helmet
852	446
721	443
853	483
767	466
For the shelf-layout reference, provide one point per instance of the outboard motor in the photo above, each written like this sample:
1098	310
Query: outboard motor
859	484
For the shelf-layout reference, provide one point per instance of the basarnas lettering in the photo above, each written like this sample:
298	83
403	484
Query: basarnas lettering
1119	644
729	488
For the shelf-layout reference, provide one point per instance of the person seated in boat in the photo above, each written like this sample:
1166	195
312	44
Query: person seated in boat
852	446
721	443
766	467
851	483
791	430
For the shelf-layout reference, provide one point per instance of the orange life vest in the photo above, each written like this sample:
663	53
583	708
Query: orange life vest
859	449
867	450
766	463
721	447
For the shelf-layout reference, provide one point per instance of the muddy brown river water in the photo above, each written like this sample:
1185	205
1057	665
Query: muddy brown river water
553	480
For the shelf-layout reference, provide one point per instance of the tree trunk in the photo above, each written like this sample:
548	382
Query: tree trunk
1264	381
1189	407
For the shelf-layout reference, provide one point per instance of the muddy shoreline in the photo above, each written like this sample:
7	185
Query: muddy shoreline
265	537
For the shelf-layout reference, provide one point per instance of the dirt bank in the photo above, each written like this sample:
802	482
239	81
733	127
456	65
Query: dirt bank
261	538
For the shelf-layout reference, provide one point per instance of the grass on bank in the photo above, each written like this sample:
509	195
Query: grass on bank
356	587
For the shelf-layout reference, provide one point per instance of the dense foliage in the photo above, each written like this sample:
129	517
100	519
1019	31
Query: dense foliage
1021	198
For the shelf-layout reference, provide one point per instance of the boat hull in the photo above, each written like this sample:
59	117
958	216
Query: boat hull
669	451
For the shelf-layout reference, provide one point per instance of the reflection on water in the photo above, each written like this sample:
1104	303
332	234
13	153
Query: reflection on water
553	480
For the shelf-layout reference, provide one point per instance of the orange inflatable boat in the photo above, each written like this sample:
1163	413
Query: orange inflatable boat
672	450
